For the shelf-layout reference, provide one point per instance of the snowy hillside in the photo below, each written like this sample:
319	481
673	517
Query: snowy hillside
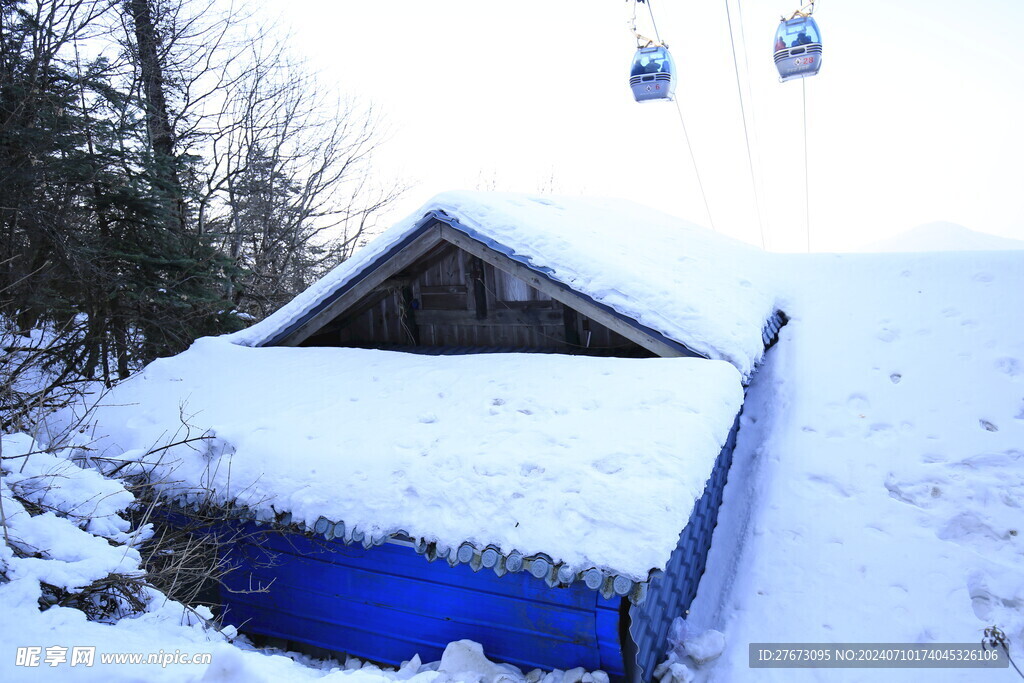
943	236
879	496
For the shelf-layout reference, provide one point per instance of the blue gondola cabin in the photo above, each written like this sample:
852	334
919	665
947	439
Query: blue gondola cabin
797	48
653	74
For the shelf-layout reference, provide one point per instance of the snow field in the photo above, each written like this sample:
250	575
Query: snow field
886	489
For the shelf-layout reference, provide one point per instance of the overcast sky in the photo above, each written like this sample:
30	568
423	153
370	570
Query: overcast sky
915	116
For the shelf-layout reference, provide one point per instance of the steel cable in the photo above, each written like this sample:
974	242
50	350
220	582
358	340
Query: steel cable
746	132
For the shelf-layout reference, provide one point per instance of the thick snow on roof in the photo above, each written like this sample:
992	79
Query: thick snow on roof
696	287
879	496
596	462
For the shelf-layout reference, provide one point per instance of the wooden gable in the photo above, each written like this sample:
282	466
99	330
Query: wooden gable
445	292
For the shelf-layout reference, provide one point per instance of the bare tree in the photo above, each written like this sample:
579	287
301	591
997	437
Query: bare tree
290	185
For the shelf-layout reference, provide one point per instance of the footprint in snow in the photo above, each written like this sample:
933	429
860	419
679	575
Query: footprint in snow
830	483
922	494
988	426
967	528
858	403
895	378
888	335
1011	366
983	277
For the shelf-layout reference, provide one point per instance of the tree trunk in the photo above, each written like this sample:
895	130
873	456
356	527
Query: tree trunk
158	122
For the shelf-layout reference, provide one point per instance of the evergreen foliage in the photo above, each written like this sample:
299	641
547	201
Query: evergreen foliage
119	228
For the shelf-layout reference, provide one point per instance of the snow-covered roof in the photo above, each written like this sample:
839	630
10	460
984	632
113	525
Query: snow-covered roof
595	462
699	289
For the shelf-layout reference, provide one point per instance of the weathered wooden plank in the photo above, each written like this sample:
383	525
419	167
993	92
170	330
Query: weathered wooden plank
566	296
393	283
403	259
443	301
509	288
476	278
408	315
570	323
499	317
444	289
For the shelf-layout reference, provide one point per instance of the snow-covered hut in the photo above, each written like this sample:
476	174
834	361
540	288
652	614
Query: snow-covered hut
543	394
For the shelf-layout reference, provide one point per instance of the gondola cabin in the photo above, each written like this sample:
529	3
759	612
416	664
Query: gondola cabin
797	48
653	75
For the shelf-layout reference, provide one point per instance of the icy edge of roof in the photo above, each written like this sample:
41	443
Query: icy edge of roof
540	565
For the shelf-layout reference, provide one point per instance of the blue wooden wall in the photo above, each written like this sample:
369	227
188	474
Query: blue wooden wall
387	603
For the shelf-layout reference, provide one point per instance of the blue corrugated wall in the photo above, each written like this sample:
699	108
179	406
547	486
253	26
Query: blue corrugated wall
388	603
669	594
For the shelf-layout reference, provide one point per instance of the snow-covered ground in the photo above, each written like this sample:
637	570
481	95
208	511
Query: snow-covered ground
876	495
879	497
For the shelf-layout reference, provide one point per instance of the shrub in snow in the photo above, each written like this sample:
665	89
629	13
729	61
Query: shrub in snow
66	539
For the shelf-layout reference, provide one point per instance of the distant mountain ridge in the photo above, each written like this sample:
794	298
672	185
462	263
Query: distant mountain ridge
943	236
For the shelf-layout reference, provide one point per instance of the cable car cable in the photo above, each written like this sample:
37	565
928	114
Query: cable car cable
696	172
643	43
650	11
746	132
807	191
753	112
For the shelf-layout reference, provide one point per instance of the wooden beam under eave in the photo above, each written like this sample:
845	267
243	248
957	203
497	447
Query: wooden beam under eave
366	286
566	296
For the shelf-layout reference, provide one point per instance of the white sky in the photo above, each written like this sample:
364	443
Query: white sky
915	116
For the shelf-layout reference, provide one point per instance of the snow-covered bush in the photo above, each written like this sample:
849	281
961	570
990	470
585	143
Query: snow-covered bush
66	535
